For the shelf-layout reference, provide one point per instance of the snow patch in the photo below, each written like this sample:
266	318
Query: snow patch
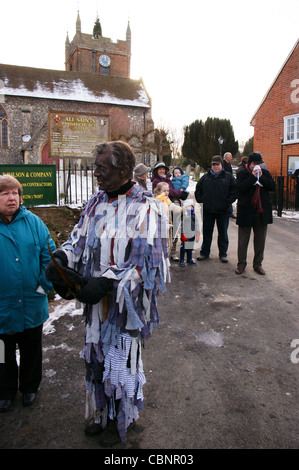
62	308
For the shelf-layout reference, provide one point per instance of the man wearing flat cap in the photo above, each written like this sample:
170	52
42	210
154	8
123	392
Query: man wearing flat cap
216	190
254	210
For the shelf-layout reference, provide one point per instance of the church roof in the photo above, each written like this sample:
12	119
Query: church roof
73	86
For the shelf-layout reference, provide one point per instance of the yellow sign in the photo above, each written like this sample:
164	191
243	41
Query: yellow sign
75	135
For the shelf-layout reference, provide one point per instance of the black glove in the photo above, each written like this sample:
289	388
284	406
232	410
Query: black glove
184	195
60	285
89	290
93	289
51	272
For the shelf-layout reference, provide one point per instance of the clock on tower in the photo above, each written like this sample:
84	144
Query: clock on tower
104	60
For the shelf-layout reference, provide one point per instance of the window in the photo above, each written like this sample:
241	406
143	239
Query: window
293	164
3	129
291	129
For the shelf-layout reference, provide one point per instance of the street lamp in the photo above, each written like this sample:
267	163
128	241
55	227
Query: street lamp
220	142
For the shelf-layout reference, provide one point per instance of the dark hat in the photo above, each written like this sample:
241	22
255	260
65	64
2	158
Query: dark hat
179	168
141	169
217	159
161	165
255	157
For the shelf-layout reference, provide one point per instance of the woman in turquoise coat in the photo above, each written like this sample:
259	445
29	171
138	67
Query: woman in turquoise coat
23	293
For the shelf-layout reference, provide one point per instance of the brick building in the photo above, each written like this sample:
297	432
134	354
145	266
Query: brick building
96	81
276	121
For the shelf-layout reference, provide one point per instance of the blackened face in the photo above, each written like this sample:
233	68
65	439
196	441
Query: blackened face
108	177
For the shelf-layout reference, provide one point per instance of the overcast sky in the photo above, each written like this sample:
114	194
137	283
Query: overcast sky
198	59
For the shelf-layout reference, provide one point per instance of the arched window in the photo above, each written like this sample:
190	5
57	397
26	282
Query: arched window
3	129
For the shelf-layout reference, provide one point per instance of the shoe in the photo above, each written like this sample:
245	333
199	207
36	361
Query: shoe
28	399
259	270
192	262
5	405
240	269
201	257
174	258
223	259
110	435
92	428
232	216
182	264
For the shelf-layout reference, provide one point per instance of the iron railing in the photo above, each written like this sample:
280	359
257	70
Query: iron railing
286	195
75	185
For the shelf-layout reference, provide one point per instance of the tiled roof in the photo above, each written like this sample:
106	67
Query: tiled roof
75	86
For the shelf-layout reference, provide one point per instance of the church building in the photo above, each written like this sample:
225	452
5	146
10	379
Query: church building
95	90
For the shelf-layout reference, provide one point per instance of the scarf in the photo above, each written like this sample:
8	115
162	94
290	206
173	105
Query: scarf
165	200
256	200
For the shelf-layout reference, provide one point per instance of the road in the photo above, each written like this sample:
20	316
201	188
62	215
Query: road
220	370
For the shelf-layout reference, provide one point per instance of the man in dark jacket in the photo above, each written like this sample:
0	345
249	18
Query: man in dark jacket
217	191
254	210
227	158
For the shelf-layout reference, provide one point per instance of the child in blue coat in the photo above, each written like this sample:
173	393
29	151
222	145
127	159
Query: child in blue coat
179	179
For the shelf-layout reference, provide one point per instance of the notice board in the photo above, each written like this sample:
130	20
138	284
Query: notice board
75	135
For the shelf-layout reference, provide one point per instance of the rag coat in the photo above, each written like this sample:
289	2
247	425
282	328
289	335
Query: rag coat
23	287
216	193
124	239
246	187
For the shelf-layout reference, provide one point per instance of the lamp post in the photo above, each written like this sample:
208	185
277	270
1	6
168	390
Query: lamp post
220	142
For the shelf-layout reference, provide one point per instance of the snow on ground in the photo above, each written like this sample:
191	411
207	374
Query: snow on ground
58	308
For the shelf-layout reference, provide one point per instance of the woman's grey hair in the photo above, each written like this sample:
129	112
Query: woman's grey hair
122	155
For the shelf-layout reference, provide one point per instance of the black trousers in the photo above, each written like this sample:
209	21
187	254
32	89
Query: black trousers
28	375
222	221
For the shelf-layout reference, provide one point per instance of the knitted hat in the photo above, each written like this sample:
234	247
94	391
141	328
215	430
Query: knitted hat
141	169
161	165
179	168
255	157
217	159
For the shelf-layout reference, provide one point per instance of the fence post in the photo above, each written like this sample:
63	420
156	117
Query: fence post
280	195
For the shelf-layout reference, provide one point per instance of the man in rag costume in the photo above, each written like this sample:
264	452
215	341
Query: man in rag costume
115	262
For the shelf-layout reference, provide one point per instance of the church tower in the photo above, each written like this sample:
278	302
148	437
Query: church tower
97	54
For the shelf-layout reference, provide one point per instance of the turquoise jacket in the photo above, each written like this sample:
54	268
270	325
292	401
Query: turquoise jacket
24	256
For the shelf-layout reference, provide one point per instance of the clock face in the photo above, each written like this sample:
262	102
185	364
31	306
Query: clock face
104	60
